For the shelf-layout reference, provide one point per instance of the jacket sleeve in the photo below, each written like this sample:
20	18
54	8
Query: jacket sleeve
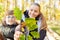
42	34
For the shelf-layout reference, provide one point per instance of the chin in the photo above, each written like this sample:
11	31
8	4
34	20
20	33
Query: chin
10	23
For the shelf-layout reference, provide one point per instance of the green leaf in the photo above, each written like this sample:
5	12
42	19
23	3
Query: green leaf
30	20
18	13
35	34
32	27
22	37
31	23
30	38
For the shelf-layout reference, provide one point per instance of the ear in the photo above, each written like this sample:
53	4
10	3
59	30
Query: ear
4	21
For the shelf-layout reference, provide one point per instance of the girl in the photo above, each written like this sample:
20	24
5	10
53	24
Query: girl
34	12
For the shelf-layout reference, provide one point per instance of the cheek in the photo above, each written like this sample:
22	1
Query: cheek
10	20
7	19
29	13
13	20
36	14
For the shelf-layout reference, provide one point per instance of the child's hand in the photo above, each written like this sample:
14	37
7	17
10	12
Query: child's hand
17	35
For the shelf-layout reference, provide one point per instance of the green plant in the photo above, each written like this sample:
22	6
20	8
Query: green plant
18	13
31	25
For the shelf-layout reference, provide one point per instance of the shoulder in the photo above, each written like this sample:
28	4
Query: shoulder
26	13
17	28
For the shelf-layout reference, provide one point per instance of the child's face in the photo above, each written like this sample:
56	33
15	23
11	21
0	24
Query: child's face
33	11
10	19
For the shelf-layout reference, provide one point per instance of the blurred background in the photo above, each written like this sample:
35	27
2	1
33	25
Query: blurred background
49	8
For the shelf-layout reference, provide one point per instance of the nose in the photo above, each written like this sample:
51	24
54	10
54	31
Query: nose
32	12
10	19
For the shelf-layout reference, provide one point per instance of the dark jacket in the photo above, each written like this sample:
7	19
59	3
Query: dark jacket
8	31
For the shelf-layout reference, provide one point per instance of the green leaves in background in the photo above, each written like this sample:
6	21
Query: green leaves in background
31	23
18	13
1	12
1	9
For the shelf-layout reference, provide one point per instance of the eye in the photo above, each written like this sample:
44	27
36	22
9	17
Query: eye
35	11
8	16
12	17
31	9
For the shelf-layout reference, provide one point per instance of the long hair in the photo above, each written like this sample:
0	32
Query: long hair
43	22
